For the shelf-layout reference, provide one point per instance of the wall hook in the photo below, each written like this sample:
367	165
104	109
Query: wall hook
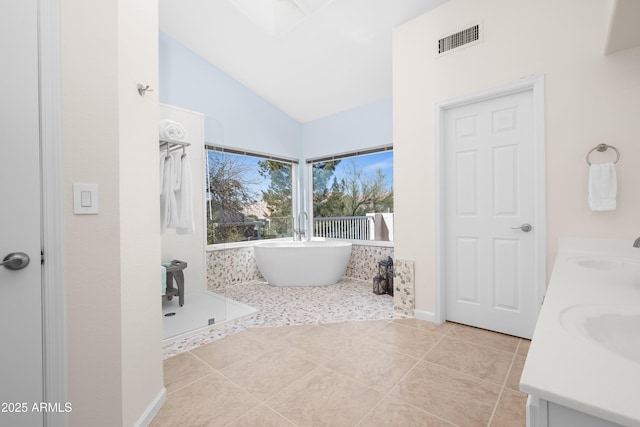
143	89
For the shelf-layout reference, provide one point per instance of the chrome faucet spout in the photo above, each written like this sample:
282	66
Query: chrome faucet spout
636	244
301	231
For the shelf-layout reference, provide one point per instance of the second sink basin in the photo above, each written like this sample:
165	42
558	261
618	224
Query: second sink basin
616	329
608	264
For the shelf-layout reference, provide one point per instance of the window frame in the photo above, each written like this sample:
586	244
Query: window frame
294	163
341	156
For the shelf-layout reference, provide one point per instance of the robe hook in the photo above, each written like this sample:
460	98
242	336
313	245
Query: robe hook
143	89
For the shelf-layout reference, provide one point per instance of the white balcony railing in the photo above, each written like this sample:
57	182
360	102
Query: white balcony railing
373	226
345	227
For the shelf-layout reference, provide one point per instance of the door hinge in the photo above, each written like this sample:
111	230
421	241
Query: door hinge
41	257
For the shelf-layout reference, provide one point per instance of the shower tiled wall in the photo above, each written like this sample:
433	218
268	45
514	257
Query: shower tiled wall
237	265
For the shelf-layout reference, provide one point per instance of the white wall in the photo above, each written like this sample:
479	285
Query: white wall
589	99
113	309
142	369
360	128
190	247
247	121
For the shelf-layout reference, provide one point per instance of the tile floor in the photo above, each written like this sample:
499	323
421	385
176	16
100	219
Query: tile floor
348	300
402	372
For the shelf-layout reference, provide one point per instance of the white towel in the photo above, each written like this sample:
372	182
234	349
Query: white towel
163	279
176	203
172	131
166	194
184	201
173	186
603	187
163	157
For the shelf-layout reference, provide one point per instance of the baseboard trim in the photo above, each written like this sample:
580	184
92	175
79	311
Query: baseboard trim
425	315
153	408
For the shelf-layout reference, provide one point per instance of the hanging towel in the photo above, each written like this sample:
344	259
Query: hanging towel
176	197
163	157
603	187
172	131
163	279
175	183
184	199
167	195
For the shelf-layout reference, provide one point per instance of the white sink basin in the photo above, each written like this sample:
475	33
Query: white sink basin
616	329
608	264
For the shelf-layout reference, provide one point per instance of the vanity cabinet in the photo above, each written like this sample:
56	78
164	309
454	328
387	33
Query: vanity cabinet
542	413
583	364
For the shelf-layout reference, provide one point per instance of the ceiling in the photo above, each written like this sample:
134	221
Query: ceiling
331	56
623	31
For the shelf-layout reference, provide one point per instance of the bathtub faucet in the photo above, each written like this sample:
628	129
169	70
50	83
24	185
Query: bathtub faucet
300	232
636	244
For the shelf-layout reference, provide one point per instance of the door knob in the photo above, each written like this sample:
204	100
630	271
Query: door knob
524	227
15	261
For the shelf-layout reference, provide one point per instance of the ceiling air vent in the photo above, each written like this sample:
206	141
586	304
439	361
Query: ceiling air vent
459	39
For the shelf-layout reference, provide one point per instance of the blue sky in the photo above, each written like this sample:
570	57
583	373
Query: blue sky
369	163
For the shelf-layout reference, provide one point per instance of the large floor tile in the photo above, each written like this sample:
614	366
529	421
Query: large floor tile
456	397
183	370
377	368
436	328
271	333
482	362
511	410
523	347
393	412
269	372
513	379
228	350
359	329
212	401
325	398
410	341
262	416
320	344
484	337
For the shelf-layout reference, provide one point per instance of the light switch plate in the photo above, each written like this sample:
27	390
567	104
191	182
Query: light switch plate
85	199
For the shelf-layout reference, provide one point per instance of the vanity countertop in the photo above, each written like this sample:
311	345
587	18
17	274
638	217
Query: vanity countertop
597	277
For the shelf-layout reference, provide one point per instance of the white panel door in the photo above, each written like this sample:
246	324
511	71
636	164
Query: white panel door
20	290
489	195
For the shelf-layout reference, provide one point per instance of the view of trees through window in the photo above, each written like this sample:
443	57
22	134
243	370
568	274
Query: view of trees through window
353	197
248	197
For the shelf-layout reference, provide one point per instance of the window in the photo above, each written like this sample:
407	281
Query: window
353	195
248	196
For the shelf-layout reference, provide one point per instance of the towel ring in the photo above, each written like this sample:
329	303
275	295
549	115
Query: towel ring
601	148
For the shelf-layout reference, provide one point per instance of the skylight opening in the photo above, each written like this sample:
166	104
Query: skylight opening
278	17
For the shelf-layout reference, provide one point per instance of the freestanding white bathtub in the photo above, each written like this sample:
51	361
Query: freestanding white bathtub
311	263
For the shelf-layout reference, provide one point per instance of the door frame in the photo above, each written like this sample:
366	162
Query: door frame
52	216
534	83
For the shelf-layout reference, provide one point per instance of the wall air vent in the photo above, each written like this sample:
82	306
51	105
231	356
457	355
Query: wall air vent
465	37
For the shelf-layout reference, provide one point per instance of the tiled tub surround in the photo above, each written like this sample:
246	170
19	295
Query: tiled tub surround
403	288
237	265
364	260
230	266
403	372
